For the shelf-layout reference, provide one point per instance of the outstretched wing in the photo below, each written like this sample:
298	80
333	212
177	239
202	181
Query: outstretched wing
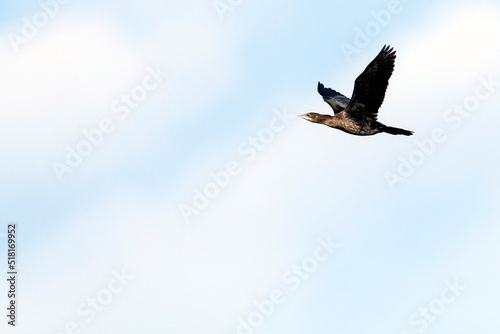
370	86
337	101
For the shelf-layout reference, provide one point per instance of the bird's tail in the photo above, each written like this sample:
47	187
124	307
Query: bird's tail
396	131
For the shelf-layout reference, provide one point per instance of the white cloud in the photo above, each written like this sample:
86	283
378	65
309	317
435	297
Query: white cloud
440	61
63	79
66	78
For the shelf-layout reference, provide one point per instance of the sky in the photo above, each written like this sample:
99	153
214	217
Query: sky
159	179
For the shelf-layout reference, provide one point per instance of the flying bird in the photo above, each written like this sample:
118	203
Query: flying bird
358	116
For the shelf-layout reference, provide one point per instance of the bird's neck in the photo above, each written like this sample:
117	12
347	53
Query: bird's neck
337	121
324	119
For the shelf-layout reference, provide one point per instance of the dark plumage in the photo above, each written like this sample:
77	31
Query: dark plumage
358	115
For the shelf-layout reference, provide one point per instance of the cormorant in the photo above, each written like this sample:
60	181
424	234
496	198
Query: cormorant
358	116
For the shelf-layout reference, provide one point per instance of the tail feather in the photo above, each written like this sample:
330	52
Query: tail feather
396	131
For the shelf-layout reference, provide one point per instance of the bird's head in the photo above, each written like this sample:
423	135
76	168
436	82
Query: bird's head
313	117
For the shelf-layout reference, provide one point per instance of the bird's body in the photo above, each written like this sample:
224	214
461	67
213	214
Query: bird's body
358	116
343	122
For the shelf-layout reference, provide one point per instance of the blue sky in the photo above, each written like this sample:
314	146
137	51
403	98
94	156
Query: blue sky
225	98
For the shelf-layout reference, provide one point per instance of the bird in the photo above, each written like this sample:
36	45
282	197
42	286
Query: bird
358	115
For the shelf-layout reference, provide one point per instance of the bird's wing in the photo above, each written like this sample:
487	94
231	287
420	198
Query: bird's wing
337	101
370	86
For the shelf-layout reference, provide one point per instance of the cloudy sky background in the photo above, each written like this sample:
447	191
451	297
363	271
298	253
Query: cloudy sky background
227	80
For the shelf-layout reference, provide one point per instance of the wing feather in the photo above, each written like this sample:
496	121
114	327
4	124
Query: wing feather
371	85
337	101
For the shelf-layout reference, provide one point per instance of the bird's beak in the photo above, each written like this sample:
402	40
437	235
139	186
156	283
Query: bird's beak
307	118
